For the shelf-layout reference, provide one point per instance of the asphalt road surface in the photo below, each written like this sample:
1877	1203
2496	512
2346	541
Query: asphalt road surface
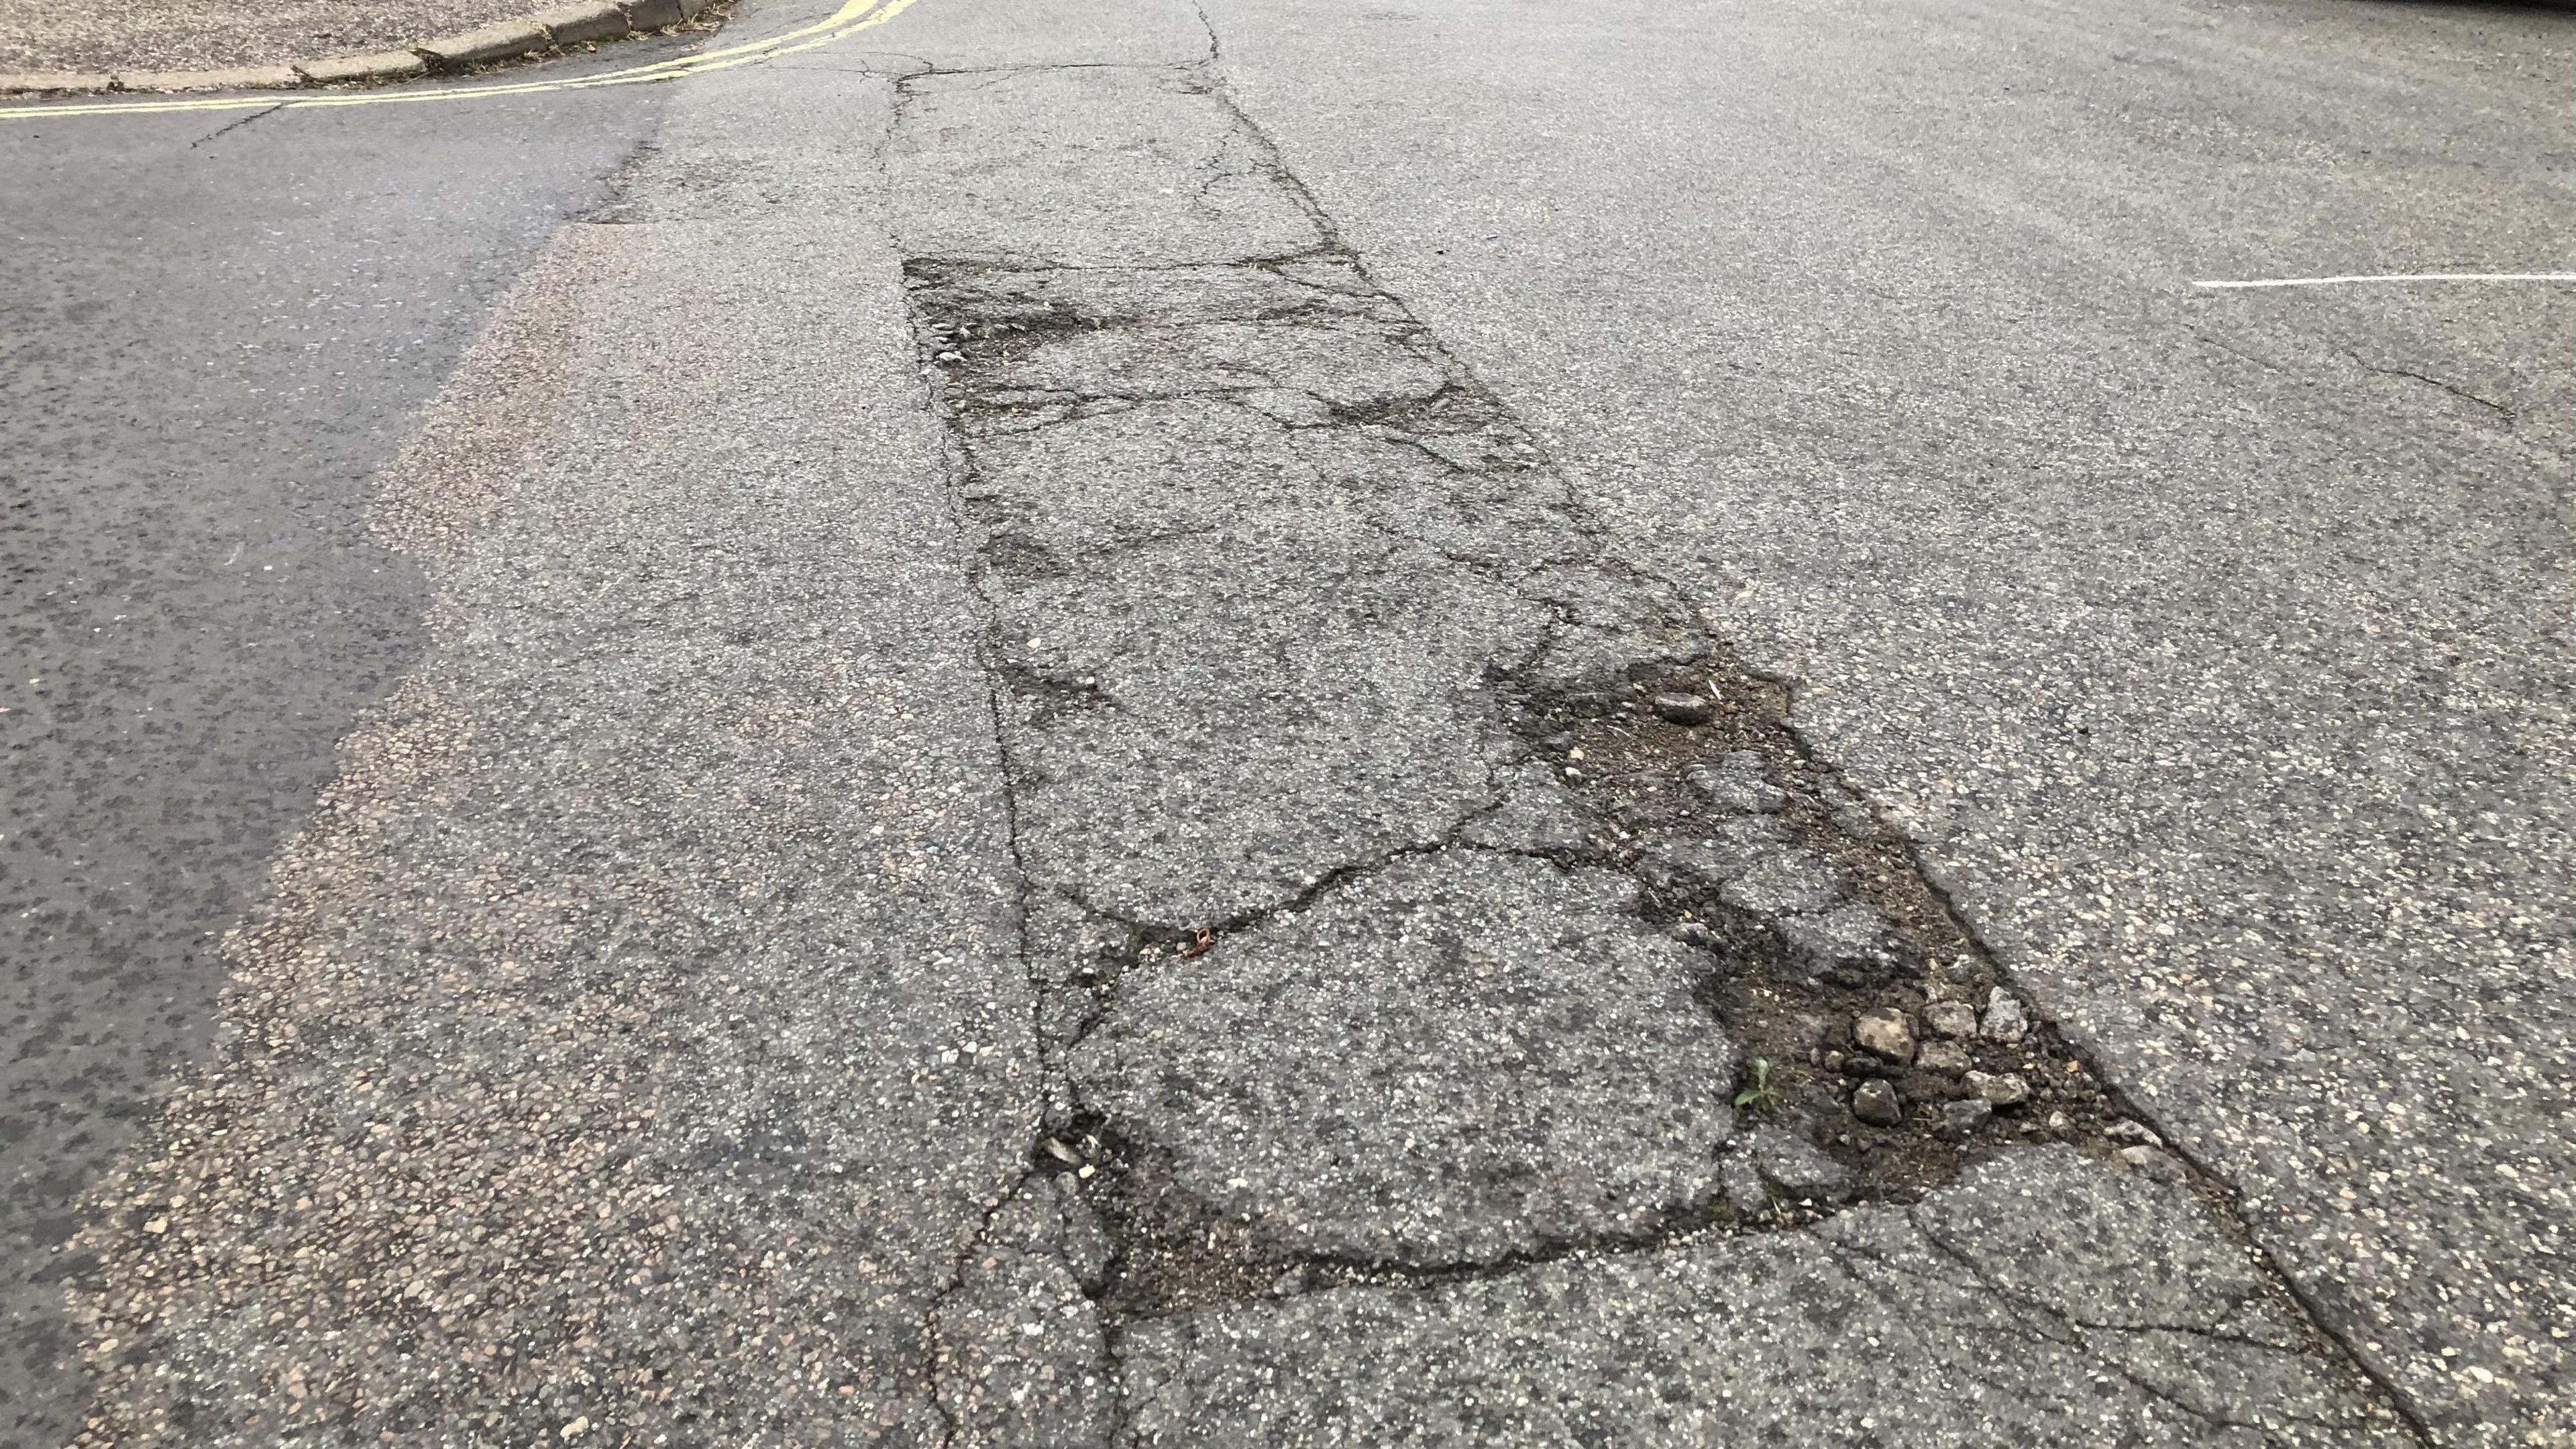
213	340
1472	724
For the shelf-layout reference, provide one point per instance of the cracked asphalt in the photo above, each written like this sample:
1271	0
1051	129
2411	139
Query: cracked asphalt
1115	725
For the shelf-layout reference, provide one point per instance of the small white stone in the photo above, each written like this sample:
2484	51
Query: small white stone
2001	1088
2149	1162
2125	1130
2004	1019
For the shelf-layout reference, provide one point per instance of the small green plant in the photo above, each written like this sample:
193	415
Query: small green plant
1757	1093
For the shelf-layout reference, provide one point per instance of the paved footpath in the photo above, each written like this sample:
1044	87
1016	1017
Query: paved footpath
1322	726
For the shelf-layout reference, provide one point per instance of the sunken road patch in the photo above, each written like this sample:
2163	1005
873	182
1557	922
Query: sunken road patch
1449	971
1866	1049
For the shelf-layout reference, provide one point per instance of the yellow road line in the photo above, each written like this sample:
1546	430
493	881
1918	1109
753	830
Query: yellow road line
854	15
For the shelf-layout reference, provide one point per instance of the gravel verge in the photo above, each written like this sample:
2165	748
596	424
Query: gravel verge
66	47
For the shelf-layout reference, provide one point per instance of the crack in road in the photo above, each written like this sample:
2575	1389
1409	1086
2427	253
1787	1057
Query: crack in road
1105	417
228	129
2454	389
979	326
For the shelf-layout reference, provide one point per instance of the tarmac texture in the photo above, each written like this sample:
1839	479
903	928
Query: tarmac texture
1060	787
2206	641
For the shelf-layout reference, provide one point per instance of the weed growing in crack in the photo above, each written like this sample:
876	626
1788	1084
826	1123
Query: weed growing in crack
1757	1094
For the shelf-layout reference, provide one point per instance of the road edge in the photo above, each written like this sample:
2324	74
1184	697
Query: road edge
578	23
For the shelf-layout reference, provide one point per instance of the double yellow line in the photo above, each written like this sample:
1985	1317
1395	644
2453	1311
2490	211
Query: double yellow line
854	15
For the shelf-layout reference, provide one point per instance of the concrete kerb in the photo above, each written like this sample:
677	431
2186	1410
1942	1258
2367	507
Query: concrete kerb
582	22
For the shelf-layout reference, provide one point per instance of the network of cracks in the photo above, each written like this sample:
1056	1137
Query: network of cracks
1868	1046
1416	892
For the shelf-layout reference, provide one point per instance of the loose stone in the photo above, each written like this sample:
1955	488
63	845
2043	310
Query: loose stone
1694	934
2004	1019
2003	1089
1946	1057
1684	709
1887	1032
1876	1103
2150	1162
1951	1018
1963	1117
2125	1130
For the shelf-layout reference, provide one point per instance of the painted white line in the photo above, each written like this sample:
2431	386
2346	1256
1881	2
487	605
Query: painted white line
2398	277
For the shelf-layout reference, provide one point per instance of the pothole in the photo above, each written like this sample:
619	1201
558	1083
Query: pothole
1173	1253
1822	1001
1871	1024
